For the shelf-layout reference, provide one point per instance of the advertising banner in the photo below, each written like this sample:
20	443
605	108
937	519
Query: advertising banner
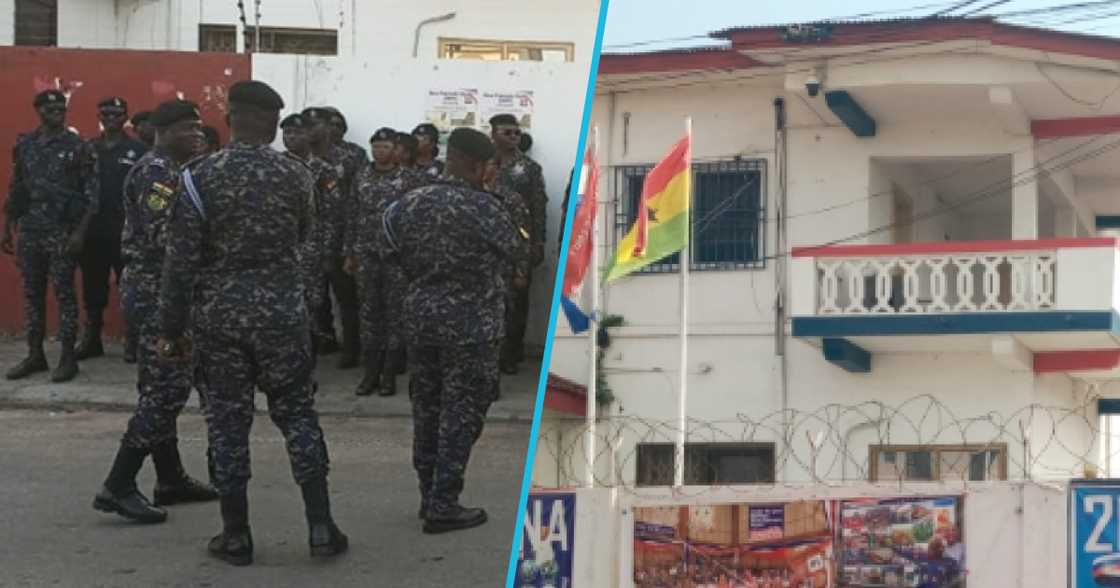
1095	534
901	542
548	542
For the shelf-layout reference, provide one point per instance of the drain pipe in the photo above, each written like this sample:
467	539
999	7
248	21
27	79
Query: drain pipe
780	155
424	23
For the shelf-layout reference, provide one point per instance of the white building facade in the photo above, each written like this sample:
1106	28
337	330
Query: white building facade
902	276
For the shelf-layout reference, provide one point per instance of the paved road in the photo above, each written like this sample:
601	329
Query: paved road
51	463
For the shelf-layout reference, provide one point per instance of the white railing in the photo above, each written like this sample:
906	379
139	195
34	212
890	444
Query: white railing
936	283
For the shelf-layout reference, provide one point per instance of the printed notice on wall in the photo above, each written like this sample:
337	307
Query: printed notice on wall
451	109
519	104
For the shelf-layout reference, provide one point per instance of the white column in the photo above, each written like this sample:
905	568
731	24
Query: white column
1024	195
1065	223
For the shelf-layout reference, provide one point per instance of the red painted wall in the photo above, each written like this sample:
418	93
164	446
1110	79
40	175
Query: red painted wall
143	78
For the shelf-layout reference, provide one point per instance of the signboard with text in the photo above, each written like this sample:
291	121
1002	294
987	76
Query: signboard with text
548	541
1095	534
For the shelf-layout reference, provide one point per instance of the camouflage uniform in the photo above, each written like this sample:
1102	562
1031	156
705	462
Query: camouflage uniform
521	175
54	182
337	208
311	253
232	246
453	244
521	263
163	385
381	284
433	170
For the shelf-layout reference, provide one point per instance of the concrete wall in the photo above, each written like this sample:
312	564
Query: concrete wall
7	22
375	93
383	28
1014	533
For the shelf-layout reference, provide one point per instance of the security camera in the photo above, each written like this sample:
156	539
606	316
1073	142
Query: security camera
813	86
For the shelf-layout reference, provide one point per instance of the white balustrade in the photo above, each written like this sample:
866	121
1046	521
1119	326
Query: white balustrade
936	283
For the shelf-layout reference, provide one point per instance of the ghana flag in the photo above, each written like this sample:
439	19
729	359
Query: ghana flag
661	228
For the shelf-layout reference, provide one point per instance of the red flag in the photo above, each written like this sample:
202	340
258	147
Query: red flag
580	241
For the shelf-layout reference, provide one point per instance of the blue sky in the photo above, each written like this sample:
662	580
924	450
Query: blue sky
632	23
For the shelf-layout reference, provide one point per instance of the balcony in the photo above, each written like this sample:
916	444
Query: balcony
1048	305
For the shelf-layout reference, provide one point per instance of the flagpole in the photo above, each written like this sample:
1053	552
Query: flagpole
682	399
592	335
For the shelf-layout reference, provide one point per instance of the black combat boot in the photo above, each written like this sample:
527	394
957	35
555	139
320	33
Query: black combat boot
389	374
324	536
90	345
119	493
67	367
371	380
173	485
454	519
235	543
35	362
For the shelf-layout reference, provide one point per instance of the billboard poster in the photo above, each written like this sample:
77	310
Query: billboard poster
1095	534
782	545
519	104
548	541
901	542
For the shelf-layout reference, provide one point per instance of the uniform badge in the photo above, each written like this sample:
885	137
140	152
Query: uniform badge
156	201
518	170
162	189
524	233
131	154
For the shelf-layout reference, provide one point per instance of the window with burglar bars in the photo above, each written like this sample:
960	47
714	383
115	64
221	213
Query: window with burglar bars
36	22
707	463
728	215
929	463
223	39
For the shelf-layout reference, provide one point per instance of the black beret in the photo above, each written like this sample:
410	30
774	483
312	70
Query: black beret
113	102
471	143
315	113
255	93
504	119
337	114
173	111
384	134
292	120
426	129
408	141
49	97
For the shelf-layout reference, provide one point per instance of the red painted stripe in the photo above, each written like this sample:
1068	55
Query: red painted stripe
674	163
565	396
1075	127
666	61
1046	362
951	247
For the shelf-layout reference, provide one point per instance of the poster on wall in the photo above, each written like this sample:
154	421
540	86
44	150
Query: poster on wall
783	545
519	104
548	541
901	542
450	109
1095	535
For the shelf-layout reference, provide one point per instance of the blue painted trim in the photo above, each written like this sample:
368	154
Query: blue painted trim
845	107
1108	406
956	324
847	355
1108	222
538	408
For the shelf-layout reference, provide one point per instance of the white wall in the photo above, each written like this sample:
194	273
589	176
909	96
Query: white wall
375	93
379	29
1015	534
7	22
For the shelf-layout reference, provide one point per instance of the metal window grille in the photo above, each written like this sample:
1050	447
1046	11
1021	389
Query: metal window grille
707	463
223	38
36	22
728	220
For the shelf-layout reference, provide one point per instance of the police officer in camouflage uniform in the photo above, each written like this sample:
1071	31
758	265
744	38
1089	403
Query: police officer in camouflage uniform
52	198
238	219
518	173
427	149
311	254
116	152
454	243
163	385
141	124
335	215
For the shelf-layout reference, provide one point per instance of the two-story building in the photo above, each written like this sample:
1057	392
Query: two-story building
902	268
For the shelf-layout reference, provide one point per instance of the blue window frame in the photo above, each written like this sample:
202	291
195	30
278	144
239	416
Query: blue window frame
728	214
